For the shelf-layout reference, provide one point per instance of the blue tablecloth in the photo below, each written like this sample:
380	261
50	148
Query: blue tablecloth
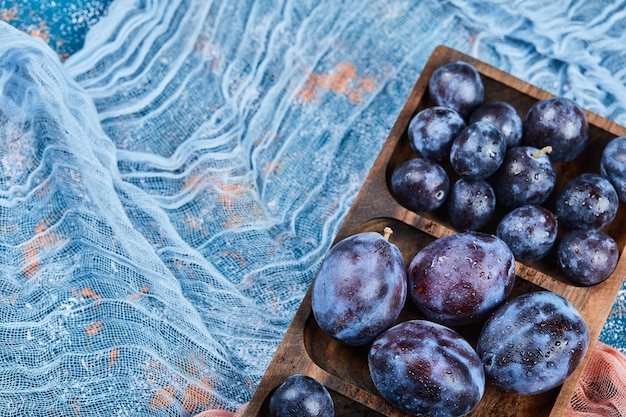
169	187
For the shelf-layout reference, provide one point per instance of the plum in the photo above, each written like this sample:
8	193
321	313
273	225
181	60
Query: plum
424	368
530	231
504	116
532	343
301	396
526	176
432	130
478	151
461	278
557	122
360	288
587	201
587	257
471	204
457	85
613	165
420	184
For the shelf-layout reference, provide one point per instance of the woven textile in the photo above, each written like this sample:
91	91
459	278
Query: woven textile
169	187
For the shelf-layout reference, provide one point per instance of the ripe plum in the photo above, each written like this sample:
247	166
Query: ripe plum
504	116
558	122
526	176
471	204
461	278
424	368
532	343
432	130
360	288
587	201
457	85
301	396
587	257
530	231
478	151
613	165
420	184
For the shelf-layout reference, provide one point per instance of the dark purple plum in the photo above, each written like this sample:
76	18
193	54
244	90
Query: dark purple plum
587	201
558	122
461	278
301	396
420	184
526	176
424	368
471	204
457	85
432	130
360	288
478	151
532	343
587	257
530	231
613	165
504	116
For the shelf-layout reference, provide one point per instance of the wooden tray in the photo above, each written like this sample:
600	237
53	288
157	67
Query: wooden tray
343	370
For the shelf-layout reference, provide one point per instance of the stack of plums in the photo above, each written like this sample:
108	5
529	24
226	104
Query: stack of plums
501	161
526	344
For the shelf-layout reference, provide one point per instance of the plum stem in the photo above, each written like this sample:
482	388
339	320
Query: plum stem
544	150
387	232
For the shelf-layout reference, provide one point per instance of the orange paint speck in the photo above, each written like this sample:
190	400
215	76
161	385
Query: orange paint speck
355	96
347	68
10	228
163	398
272	168
86	292
113	354
10	301
242	260
274	306
194	222
32	269
31	252
41	35
76	407
94	328
233	221
197	395
43	191
343	80
307	93
136	296
238	256
8	15
337	83
41	241
368	84
193	182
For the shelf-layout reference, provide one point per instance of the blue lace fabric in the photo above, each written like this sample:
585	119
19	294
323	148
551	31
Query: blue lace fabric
173	172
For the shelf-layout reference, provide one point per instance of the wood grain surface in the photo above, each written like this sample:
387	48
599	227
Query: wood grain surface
305	349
